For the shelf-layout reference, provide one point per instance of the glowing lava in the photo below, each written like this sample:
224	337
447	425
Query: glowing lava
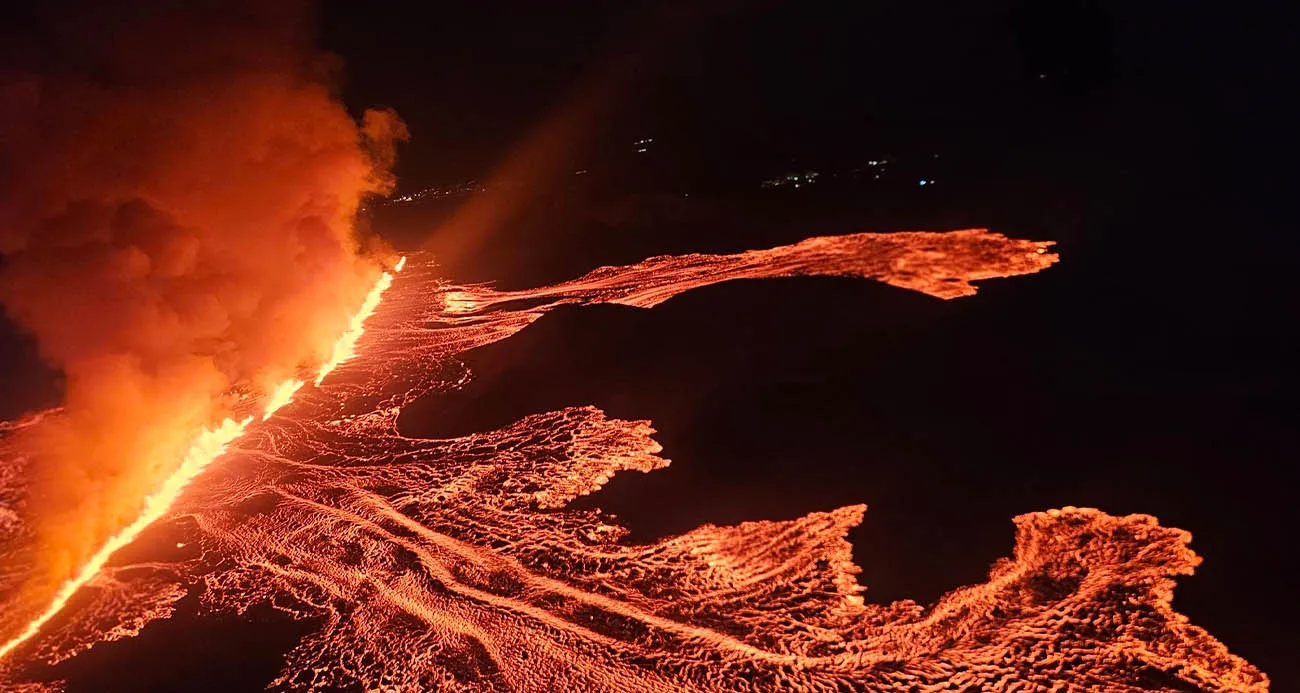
456	565
280	396
209	445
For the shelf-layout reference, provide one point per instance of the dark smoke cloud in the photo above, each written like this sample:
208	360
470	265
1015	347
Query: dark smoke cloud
178	184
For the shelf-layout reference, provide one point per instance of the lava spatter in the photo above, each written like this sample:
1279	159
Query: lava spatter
455	564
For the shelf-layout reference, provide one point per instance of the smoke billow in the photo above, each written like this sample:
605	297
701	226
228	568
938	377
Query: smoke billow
178	187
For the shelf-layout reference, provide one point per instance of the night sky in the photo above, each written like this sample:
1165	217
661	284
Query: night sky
1151	371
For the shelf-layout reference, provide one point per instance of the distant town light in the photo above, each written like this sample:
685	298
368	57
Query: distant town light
795	180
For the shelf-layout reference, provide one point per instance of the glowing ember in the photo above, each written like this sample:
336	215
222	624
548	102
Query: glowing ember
455	565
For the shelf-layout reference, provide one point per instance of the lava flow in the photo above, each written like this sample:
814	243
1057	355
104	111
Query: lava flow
456	565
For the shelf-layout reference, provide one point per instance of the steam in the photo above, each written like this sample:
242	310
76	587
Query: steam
177	195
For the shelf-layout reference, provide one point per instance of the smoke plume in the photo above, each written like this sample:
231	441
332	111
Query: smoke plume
178	186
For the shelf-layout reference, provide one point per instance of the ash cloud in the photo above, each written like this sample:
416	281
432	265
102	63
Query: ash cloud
178	187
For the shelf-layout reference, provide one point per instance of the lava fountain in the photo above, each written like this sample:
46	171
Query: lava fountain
457	565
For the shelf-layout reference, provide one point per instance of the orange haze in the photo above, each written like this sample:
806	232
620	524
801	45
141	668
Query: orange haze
177	196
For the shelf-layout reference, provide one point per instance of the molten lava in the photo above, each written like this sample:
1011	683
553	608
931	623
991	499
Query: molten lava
456	565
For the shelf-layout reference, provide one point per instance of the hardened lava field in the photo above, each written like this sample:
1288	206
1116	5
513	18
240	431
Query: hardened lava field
455	564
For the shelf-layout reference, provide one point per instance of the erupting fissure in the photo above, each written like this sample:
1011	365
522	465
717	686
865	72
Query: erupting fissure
280	396
206	447
346	347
